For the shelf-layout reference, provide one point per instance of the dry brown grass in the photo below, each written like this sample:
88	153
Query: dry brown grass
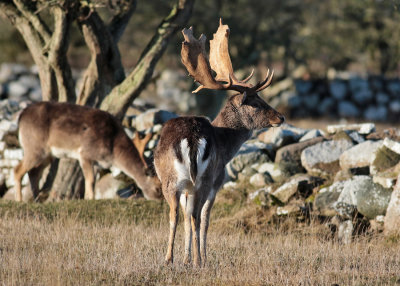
81	243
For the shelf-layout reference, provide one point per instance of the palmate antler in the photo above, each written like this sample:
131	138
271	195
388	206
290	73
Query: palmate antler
194	57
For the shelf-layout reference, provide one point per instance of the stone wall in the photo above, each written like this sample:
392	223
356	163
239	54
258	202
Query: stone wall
346	96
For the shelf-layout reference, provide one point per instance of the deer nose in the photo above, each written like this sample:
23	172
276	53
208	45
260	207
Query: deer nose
279	119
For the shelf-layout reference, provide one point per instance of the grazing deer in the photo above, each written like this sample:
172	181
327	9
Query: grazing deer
192	152
50	129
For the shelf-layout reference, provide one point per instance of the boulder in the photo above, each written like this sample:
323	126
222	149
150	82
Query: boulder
260	180
152	117
348	109
292	153
327	106
338	89
323	158
392	218
301	183
107	187
362	194
376	113
363	96
384	157
313	133
249	154
359	155
364	128
273	170
326	198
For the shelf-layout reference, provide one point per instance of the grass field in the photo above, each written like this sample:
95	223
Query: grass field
124	242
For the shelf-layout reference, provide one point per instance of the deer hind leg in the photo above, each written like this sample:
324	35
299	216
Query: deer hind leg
173	221
35	174
195	220
187	200
26	165
205	219
88	174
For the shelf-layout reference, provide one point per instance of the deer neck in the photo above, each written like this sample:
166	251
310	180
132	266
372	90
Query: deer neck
230	131
126	158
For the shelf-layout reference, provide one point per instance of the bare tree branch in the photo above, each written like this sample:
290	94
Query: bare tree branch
35	20
119	22
122	95
105	69
34	43
57	56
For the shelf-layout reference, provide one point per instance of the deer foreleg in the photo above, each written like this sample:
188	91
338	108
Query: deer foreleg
88	173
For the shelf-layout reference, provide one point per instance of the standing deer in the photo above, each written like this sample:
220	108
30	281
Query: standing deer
192	153
50	129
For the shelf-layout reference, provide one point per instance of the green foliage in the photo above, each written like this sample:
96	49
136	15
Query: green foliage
359	34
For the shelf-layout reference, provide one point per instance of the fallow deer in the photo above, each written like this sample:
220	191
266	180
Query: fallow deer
192	152
50	129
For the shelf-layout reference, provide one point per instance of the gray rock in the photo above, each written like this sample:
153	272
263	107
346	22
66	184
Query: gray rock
338	89
394	106
35	94
326	198
29	81
360	155
348	109
384	158
382	98
323	158
362	193
356	137
16	154
376	113
9	71
290	99
282	136
107	187
260	196
287	190
303	86
392	218
392	145
260	180
363	96
313	133
357	84
16	89
364	128
248	155
272	169
312	101
292	153
8	126
326	106
393	87
152	117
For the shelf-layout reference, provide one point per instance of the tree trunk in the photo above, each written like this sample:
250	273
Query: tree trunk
69	182
104	82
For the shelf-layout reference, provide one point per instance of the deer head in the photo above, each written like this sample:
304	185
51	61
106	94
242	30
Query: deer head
247	107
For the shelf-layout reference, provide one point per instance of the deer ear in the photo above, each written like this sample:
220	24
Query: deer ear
243	97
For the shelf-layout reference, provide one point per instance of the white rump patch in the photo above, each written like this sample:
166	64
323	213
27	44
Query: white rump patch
201	165
183	169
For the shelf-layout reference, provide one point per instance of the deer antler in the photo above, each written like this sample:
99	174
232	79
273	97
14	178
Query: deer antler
140	145
195	59
219	57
